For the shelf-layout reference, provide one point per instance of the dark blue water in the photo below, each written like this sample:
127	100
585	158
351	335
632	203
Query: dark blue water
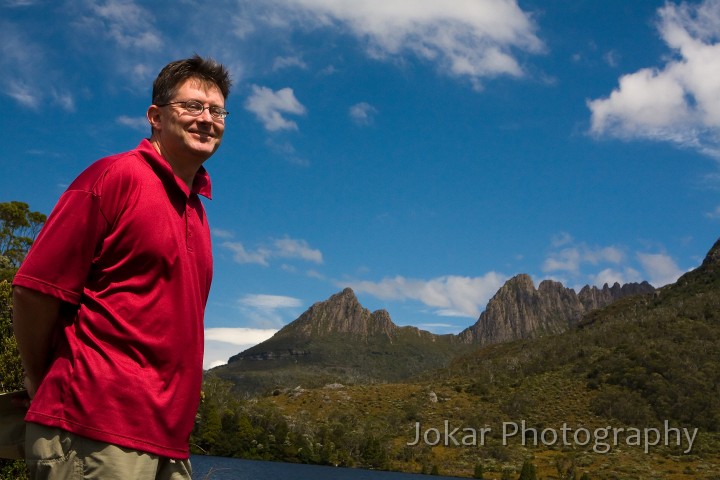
221	468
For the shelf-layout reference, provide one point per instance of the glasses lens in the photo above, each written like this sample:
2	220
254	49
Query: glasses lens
218	112
194	107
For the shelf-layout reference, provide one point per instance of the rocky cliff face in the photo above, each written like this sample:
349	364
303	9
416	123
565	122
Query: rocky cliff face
712	260
519	310
343	314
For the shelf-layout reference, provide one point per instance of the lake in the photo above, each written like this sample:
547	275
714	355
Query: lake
222	468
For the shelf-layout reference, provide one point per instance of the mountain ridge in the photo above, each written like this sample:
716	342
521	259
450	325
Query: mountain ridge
340	341
643	363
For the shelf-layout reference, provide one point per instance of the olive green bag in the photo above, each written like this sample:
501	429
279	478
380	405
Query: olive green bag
13	407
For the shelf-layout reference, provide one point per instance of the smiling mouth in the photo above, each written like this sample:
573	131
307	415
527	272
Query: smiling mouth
202	134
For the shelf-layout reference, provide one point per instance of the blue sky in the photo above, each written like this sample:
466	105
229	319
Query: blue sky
421	152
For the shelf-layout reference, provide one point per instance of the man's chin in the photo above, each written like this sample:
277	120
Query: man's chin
205	149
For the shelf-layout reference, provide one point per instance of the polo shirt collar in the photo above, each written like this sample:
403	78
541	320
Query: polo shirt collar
201	183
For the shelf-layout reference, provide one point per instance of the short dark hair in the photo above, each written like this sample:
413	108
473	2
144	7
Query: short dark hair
174	73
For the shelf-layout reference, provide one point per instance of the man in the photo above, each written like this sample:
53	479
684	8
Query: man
109	303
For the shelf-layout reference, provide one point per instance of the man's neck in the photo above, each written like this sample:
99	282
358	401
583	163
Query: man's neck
184	170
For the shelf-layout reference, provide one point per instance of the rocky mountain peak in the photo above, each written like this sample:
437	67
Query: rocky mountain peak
712	259
519	310
342	313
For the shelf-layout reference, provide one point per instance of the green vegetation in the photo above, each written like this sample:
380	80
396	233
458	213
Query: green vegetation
18	228
333	359
641	362
11	377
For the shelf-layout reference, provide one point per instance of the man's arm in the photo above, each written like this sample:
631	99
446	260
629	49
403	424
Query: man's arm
35	316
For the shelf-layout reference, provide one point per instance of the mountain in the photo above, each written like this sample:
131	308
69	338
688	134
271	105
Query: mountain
643	365
337	340
340	341
518	310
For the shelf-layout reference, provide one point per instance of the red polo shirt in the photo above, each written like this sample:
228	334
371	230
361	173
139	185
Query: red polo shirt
128	248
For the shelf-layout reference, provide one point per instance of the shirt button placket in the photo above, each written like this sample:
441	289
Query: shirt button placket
188	226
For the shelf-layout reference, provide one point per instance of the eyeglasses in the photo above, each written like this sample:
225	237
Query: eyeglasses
195	108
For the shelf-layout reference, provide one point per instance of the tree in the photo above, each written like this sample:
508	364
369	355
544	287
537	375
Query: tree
11	376
479	471
528	471
18	229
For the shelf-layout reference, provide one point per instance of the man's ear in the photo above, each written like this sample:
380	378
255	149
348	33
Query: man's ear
153	116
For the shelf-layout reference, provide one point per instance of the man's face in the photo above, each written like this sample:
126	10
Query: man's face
184	137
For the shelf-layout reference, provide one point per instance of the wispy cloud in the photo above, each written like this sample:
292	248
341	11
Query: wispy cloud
573	255
449	295
294	248
269	106
136	123
268	311
578	263
23	93
281	63
239	336
678	102
286	247
21	61
362	113
660	267
463	38
242	255
223	343
221	233
287	151
714	214
126	23
269	302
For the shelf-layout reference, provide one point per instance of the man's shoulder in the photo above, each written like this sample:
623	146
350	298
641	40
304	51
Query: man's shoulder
122	167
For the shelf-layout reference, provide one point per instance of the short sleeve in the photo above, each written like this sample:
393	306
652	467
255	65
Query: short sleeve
59	261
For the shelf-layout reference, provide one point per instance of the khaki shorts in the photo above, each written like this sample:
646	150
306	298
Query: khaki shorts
54	454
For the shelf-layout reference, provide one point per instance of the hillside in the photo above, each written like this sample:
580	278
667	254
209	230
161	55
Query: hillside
638	363
646	364
340	341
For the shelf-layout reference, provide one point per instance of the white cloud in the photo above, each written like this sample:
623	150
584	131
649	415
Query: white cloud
714	214
449	295
24	73
287	151
464	38
678	102
571	258
65	100
612	276
292	248
577	260
269	311
136	123
223	343
241	255
286	247
269	107
239	336
660	267
23	93
126	23
288	62
362	113
269	302
560	239
220	233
